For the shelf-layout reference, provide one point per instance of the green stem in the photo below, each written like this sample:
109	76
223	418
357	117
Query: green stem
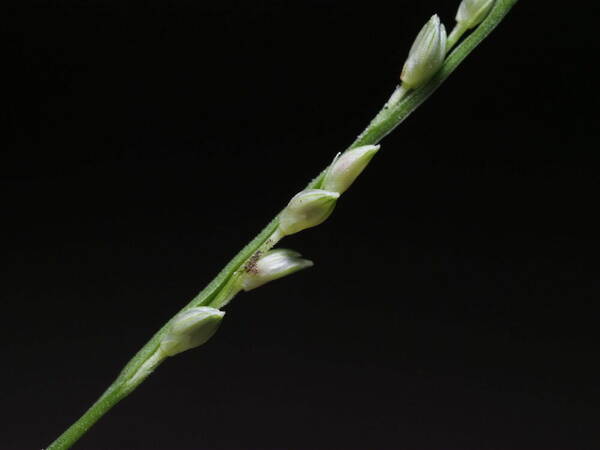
113	395
457	32
392	114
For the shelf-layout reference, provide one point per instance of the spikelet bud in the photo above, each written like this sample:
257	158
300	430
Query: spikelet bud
345	169
190	329
426	55
272	265
472	12
307	209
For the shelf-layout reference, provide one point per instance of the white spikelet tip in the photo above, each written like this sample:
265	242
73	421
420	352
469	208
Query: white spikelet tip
426	55
346	168
472	12
272	265
307	209
190	329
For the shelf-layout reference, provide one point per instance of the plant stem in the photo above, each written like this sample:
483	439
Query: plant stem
220	290
456	33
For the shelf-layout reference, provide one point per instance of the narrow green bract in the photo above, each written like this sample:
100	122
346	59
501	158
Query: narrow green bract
426	55
307	209
347	167
273	265
191	329
472	12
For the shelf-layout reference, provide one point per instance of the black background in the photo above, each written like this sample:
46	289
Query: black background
454	298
